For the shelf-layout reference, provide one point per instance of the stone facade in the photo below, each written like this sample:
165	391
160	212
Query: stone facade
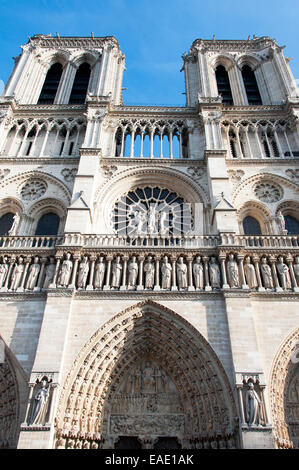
149	270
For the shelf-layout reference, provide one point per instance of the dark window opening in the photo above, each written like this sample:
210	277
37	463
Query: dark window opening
224	86
251	226
29	148
48	224
291	225
167	443
80	85
51	84
6	222
266	148
71	148
250	84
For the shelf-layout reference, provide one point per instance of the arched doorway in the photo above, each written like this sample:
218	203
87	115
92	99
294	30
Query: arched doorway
147	376
284	393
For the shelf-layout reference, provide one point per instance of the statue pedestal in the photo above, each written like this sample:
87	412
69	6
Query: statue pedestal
258	438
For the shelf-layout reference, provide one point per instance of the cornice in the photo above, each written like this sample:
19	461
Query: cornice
153	110
47	41
262	162
240	45
46	109
41	160
151	161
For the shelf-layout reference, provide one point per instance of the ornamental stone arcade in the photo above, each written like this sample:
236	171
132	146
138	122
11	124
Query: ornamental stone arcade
149	256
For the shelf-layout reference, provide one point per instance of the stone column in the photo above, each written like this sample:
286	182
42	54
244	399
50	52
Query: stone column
173	273
157	272
124	274
206	273
222	258
289	260
93	259
272	260
140	282
72	285
239	388
54	282
255	260
190	274
109	259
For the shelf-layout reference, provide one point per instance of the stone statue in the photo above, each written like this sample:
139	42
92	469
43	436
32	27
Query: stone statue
152	214
99	273
133	272
214	273
232	271
66	271
296	269
198	273
83	272
50	271
17	274
284	275
166	273
116	273
137	222
163	228
3	271
252	405
149	269
40	406
249	273
281	222
13	230
33	274
181	270
266	274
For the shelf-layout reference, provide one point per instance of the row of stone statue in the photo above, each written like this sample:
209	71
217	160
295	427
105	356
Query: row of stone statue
136	273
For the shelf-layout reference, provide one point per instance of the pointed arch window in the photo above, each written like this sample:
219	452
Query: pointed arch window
223	85
251	226
6	222
80	85
48	224
251	87
291	225
51	84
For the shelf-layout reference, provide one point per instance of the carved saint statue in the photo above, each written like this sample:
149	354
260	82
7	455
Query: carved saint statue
3	271
13	229
296	269
83	272
198	273
66	271
50	271
249	273
214	273
284	275
266	274
137	222
40	405
33	274
99	273
163	223
281	222
232	271
151	220
166	273
252	405
17	274
133	272
116	273
181	270
149	269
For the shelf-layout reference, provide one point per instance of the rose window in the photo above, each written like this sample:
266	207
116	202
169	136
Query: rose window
152	211
33	190
268	192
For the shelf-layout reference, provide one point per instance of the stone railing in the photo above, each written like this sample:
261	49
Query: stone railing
149	270
260	241
27	242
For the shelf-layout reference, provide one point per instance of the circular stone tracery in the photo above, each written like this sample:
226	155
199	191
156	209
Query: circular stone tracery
268	192
33	189
152	211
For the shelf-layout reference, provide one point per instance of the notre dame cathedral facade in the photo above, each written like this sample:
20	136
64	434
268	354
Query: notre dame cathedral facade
149	256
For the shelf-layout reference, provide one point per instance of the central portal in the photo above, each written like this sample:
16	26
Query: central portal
147	407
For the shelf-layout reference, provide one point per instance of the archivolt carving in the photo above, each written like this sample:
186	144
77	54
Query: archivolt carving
283	371
146	332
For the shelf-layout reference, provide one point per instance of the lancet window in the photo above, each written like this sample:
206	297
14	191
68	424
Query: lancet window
51	84
223	85
80	85
251	87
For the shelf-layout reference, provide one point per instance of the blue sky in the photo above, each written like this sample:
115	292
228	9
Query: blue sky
153	34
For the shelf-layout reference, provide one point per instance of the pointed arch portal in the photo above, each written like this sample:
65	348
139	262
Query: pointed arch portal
147	376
